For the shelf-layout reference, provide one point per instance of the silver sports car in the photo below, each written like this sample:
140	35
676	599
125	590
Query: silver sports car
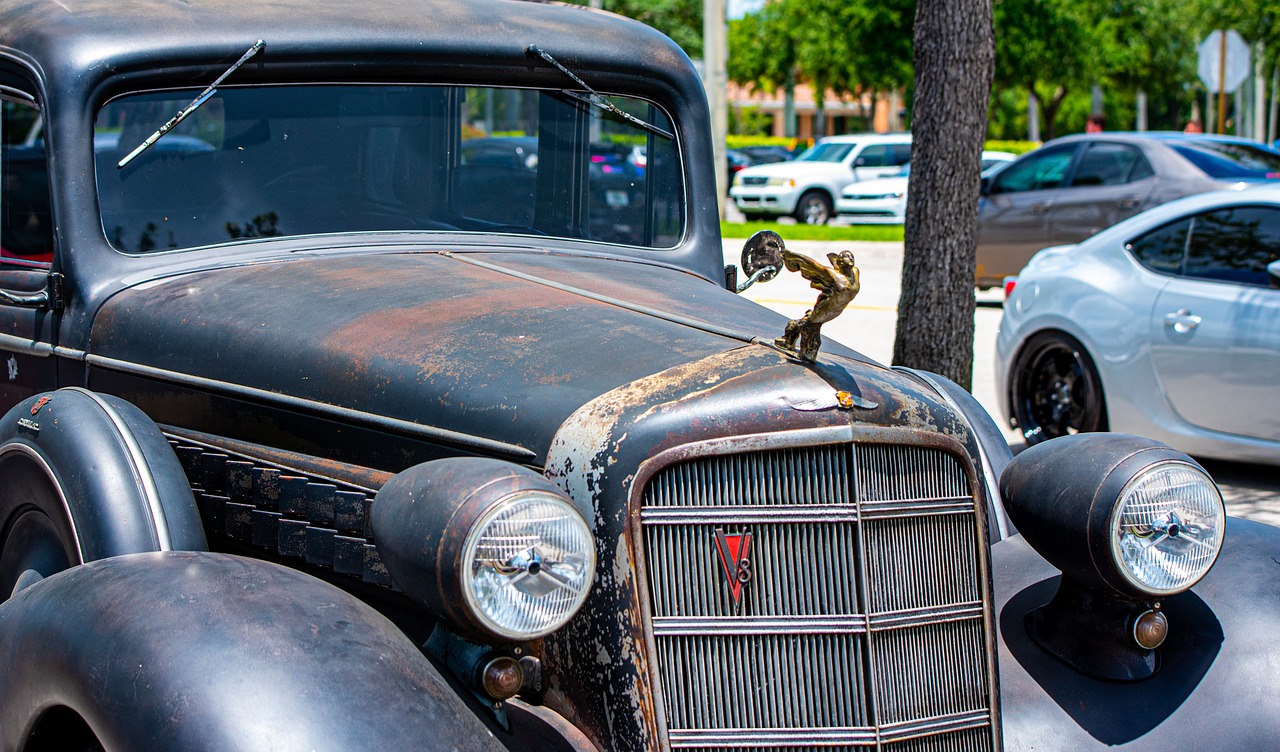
1167	324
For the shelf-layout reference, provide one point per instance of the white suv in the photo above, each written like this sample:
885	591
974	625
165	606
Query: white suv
807	187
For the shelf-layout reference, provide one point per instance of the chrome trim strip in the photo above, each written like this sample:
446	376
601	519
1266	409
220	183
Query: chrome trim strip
759	737
895	732
670	626
923	616
333	411
141	470
24	346
818	513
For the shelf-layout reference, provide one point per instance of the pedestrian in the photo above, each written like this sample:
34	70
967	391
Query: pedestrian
1193	126
1095	123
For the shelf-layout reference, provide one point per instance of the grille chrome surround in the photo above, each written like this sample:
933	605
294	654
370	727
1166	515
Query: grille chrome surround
866	623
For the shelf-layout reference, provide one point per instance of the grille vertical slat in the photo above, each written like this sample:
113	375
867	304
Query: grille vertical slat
806	660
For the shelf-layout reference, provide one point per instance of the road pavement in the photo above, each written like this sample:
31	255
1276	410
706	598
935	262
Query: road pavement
868	324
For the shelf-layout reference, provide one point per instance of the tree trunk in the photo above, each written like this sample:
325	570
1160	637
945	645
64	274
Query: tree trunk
954	60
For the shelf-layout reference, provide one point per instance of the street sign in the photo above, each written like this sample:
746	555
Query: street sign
1212	56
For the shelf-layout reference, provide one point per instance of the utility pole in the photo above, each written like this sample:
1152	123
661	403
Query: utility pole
715	79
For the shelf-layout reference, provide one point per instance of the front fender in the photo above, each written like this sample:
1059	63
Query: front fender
1216	685
185	650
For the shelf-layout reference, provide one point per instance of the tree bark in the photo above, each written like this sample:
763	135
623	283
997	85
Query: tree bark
954	60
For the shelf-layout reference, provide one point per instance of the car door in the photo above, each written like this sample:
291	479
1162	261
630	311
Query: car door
1215	327
26	247
1013	214
1110	182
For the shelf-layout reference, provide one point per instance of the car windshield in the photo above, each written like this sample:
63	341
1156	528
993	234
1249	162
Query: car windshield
1227	160
300	160
826	153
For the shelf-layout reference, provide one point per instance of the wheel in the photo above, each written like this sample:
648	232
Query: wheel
36	539
814	208
1055	389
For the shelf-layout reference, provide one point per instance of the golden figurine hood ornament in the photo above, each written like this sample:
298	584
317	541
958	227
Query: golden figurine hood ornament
764	255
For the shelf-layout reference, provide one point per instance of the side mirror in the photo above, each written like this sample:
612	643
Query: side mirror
985	188
1273	271
761	259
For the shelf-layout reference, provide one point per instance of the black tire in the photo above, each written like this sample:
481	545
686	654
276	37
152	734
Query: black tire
1055	389
36	537
85	476
813	208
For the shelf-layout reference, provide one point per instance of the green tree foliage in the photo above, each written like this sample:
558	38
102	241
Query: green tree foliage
679	19
842	46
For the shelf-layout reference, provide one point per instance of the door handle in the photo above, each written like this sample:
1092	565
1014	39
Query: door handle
1041	207
1182	320
1127	203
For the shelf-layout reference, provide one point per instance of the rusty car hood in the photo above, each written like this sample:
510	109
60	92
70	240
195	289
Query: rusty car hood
503	346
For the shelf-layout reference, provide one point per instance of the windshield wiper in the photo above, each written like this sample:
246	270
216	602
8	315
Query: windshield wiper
595	98
195	105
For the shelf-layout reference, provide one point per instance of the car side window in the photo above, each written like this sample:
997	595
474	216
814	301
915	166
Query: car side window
900	154
876	155
1035	172
26	218
1234	245
1110	164
1162	249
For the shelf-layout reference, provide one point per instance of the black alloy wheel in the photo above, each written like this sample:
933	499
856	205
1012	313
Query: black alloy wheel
1055	389
814	208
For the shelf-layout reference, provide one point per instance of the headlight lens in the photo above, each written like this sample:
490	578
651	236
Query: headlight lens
1167	529
528	565
784	182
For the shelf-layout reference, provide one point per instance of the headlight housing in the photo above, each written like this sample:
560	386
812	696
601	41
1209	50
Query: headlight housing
528	564
783	182
1125	515
493	549
1131	523
1166	530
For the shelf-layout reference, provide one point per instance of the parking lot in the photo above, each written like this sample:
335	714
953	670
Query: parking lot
1251	491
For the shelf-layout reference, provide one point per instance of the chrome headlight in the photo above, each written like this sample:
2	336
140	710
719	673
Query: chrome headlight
494	549
529	563
1120	514
1131	523
1167	528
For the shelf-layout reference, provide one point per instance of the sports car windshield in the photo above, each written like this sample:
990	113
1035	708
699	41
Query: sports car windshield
301	160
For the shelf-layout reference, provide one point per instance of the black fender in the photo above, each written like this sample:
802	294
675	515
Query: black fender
99	473
1215	688
192	650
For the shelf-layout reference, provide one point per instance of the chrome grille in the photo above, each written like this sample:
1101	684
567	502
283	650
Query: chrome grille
862	624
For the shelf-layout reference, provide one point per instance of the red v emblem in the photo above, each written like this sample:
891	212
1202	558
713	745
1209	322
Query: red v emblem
734	550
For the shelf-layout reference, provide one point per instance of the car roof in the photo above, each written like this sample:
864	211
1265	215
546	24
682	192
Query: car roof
1161	136
853	138
69	40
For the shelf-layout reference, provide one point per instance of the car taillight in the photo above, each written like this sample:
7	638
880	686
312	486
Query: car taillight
1009	284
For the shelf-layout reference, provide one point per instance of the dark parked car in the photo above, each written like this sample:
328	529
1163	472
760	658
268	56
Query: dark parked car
320	434
1072	187
766	154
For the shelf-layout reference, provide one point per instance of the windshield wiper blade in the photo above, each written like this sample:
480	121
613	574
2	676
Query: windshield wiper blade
595	98
195	105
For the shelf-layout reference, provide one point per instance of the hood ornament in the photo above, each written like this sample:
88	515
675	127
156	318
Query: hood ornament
764	255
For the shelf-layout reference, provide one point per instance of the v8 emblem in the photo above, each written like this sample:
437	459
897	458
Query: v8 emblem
734	550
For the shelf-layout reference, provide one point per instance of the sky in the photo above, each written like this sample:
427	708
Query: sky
738	8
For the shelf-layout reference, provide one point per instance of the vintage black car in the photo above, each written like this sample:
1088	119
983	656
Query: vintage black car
320	434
